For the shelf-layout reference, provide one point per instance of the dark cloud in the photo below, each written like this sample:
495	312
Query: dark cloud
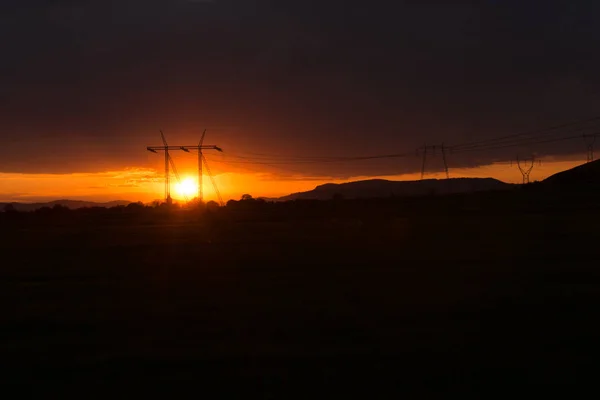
85	85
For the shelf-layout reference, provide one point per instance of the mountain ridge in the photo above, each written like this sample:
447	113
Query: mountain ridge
584	176
385	188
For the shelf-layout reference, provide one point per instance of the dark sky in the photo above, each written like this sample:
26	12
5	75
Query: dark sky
85	85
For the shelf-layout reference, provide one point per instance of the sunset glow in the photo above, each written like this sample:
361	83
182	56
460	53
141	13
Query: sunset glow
146	184
188	187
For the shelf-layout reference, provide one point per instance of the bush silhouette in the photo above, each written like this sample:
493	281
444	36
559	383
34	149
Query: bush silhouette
9	208
212	206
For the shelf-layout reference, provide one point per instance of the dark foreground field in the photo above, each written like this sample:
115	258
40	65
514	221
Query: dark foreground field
473	305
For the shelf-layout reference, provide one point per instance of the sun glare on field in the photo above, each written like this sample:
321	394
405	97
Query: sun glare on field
188	187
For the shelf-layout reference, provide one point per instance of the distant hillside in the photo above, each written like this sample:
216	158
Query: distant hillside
72	204
384	188
583	176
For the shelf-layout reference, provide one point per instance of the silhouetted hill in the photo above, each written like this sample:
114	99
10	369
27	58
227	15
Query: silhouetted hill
583	176
384	188
72	204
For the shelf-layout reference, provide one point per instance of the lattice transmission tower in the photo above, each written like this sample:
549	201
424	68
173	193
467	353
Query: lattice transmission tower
432	150
526	166
202	164
590	141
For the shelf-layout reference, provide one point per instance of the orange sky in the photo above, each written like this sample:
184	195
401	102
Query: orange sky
146	184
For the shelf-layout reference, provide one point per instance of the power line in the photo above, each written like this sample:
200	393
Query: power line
528	133
512	142
275	166
264	156
507	141
250	160
535	137
425	151
523	143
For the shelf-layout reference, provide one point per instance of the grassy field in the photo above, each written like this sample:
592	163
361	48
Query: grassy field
480	304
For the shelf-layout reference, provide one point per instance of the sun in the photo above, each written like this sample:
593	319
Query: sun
187	188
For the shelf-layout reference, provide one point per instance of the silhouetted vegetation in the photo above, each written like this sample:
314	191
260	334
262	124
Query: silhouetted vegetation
534	197
452	289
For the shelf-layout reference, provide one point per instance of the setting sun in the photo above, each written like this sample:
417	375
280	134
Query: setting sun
188	187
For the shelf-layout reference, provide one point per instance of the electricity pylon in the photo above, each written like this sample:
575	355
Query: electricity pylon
168	161
590	141
203	164
201	161
425	149
526	166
